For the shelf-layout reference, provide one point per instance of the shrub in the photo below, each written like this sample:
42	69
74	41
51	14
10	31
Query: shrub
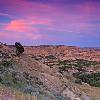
62	69
6	63
26	75
50	57
78	81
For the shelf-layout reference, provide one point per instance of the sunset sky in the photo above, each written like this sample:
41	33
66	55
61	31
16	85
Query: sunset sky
54	22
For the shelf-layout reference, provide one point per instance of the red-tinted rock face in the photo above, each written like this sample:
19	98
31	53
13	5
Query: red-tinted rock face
65	52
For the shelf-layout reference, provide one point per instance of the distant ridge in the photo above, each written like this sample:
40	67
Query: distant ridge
92	47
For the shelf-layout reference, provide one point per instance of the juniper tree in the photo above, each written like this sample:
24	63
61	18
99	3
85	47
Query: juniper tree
19	48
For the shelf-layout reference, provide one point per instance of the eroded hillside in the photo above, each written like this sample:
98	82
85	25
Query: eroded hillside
46	72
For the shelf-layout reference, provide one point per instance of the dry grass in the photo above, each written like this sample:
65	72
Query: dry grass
7	93
93	92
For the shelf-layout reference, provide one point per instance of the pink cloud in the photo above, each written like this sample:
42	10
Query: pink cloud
18	36
16	26
42	22
9	35
19	26
26	25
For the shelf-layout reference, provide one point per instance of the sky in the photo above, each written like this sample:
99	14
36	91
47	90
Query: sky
50	22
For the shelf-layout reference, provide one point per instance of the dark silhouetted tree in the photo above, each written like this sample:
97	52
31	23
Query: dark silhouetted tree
19	48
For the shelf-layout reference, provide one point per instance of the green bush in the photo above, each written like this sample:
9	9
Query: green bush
80	63
93	79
